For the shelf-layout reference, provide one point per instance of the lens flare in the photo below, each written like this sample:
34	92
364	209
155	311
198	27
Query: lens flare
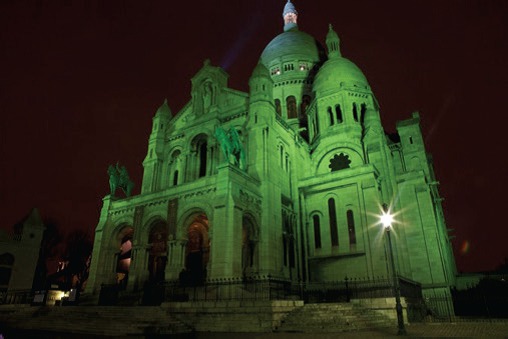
464	248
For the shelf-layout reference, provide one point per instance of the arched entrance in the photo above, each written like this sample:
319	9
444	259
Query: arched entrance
197	252
158	255
123	261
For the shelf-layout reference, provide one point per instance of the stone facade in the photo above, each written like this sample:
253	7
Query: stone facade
287	180
19	253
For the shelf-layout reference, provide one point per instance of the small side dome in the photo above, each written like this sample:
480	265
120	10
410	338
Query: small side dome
164	109
260	71
338	71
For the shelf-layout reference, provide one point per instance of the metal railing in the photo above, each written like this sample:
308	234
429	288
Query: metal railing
16	297
272	288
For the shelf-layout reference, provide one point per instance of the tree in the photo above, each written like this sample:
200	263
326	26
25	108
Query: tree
77	255
50	244
76	258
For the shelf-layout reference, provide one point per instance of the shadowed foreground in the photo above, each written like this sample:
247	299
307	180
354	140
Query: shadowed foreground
433	330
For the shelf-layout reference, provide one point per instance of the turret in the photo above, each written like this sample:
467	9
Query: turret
332	43
155	155
261	84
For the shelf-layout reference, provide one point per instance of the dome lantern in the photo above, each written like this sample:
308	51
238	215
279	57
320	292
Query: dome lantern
333	43
290	16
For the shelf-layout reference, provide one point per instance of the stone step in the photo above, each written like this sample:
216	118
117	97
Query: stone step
98	320
332	318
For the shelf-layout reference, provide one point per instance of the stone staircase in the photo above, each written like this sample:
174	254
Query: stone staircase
339	317
233	316
96	320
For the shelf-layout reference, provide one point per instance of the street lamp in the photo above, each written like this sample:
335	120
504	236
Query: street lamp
386	221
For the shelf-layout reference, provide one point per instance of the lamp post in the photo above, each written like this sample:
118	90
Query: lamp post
386	221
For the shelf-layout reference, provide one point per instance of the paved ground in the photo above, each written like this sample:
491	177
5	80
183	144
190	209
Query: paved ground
432	330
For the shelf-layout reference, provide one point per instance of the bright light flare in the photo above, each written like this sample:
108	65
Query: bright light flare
386	219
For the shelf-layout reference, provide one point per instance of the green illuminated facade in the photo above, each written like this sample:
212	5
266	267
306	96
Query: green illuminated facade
286	180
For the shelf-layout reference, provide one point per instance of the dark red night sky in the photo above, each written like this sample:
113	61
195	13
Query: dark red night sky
81	80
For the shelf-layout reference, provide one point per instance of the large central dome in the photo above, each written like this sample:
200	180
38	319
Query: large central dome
293	45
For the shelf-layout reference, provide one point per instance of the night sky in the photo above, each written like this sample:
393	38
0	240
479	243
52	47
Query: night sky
81	80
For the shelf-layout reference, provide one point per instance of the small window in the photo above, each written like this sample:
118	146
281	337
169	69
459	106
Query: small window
277	107
351	227
202	149
175	178
330	115
291	107
317	124
355	112
411	140
304	105
338	113
363	110
275	71
334	234
317	232
289	67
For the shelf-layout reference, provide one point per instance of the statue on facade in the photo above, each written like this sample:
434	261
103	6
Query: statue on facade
119	178
231	146
207	97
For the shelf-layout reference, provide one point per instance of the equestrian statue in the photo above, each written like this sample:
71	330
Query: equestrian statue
231	146
119	178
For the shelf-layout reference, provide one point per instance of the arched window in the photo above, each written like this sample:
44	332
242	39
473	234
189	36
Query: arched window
317	124
202	149
291	107
317	232
363	109
330	115
351	227
281	156
175	178
334	235
304	105
174	168
338	113
277	107
355	112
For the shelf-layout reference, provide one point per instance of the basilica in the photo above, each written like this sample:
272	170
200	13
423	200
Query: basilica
286	181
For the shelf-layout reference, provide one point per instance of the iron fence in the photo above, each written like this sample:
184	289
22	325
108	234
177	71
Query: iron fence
271	288
467	305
